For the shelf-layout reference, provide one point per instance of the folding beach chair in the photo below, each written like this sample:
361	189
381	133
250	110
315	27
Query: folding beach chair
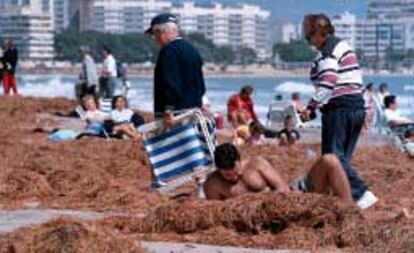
181	154
105	105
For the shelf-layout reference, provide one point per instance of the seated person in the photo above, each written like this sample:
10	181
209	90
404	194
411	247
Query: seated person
214	116
95	118
122	117
392	114
236	176
241	135
256	134
300	107
240	109
288	135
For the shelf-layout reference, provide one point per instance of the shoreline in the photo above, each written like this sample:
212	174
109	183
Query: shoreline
210	70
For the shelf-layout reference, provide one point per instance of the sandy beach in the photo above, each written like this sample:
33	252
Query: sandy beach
113	176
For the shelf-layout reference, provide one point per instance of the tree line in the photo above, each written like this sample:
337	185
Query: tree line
139	48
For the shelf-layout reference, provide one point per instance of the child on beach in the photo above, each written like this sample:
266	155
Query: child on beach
241	136
288	136
256	134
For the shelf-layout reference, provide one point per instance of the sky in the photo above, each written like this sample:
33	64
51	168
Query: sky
294	10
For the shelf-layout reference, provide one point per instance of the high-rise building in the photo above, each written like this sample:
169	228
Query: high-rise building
61	14
29	27
346	27
390	9
290	32
83	8
393	22
124	16
236	26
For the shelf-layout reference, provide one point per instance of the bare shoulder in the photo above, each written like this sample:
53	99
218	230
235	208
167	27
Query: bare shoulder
257	163
213	178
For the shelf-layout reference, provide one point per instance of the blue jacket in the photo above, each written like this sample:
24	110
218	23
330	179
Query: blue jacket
178	77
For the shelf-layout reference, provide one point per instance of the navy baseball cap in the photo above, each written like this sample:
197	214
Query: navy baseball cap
161	19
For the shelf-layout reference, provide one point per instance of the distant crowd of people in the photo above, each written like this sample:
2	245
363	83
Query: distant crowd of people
247	127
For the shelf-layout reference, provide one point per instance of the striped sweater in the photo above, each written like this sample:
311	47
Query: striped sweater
337	77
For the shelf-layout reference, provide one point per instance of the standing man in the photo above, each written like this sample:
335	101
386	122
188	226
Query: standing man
178	77
88	78
107	82
10	59
338	81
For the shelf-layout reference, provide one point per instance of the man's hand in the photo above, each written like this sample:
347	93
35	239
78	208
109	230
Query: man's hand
306	115
168	120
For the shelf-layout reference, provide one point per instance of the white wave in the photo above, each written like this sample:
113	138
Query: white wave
54	87
291	86
409	88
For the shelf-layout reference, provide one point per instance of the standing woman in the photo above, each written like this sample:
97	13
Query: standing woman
338	82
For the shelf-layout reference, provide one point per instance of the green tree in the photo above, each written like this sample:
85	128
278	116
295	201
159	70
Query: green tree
295	51
131	48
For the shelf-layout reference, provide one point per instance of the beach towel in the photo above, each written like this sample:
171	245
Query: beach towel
63	134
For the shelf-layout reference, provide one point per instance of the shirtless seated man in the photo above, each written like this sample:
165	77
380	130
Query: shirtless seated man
235	176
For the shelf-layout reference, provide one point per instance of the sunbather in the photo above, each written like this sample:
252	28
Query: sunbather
122	119
392	114
288	136
236	176
94	117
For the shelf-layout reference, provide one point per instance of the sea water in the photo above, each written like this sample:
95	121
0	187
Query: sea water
219	89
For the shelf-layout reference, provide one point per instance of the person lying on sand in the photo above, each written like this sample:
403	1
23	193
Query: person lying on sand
235	176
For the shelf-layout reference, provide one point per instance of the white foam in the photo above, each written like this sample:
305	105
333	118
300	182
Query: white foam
54	86
292	86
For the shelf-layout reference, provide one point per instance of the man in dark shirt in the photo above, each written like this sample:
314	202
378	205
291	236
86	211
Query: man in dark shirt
10	58
178	77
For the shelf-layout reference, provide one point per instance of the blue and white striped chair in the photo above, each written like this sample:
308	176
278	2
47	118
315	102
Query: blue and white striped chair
105	105
180	154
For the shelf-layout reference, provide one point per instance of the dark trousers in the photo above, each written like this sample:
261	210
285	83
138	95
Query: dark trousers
107	87
340	133
82	89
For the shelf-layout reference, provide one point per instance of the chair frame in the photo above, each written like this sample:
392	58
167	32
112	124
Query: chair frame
154	128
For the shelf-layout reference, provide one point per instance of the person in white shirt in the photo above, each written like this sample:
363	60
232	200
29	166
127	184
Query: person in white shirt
121	117
392	114
95	118
107	82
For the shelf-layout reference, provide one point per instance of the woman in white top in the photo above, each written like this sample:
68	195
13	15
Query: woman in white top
94	117
121	116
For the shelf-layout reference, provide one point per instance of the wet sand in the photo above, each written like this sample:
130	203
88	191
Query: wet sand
113	175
